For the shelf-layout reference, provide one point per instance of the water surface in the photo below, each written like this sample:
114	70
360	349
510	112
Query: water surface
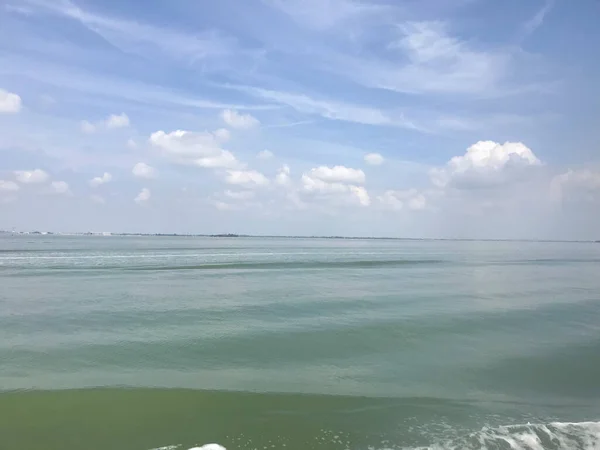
146	342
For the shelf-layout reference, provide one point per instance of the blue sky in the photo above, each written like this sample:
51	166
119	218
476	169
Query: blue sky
433	118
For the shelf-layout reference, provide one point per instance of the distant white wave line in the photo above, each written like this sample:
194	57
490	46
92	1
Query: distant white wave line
561	436
203	447
160	255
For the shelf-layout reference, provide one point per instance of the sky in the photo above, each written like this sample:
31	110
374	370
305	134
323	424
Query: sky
413	118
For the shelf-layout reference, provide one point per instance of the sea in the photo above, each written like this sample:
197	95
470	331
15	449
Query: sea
174	343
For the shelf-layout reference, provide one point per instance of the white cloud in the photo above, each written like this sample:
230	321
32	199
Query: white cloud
576	185
390	200
265	154
97	181
143	196
10	103
87	127
222	206
31	176
485	163
8	186
47	100
334	184
240	195
418	202
397	200
537	20
118	89
131	144
18	9
283	176
427	59
329	109
240	121
440	62
247	178
340	174
222	134
361	194
97	199
374	159
133	36
111	122
324	14
202	149
143	170
60	187
310	184
117	121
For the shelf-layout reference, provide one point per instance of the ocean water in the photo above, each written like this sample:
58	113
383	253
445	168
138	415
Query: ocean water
140	343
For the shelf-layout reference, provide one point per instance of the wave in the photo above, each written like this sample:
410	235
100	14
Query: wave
202	447
551	436
359	264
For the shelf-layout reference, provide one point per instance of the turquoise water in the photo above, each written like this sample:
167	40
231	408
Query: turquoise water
148	342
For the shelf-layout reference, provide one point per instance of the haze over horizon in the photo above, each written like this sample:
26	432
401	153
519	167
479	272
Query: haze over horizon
450	119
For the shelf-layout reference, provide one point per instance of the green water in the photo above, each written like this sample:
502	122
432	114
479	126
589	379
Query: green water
140	343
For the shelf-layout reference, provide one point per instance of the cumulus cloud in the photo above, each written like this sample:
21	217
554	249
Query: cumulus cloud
410	199
10	103
143	196
283	176
240	121
117	121
336	184
131	143
60	187
240	195
87	127
265	154
337	174
246	178
143	170
31	176
8	186
418	202
223	206
97	181
202	149
97	199
576	185
222	134
485	164
111	122
374	159
361	194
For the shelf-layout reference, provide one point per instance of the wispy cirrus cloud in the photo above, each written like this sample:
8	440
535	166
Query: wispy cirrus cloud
330	109
131	36
324	14
394	50
530	26
425	58
116	87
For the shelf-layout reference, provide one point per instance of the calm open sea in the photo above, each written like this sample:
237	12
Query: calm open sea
138	343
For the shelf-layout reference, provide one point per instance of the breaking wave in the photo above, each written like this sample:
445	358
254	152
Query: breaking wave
552	436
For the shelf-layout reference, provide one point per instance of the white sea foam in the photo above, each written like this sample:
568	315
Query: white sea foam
209	447
552	436
203	447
